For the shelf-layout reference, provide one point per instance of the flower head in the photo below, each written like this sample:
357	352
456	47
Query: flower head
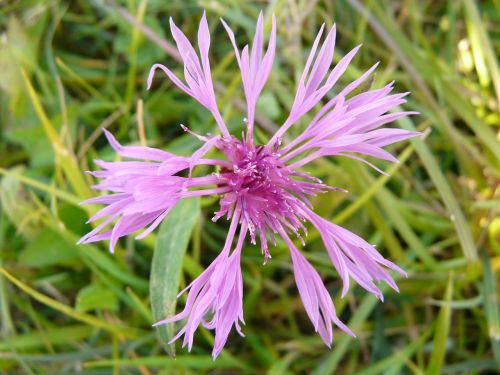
262	188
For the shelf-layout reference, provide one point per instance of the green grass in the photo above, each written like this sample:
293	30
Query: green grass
69	68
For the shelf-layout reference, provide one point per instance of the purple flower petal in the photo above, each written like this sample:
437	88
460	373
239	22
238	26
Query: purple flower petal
198	76
315	297
254	66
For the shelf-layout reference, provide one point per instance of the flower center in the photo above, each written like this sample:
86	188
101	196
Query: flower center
262	186
256	172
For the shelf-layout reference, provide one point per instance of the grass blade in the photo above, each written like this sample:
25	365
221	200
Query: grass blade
491	305
444	189
65	156
67	310
441	332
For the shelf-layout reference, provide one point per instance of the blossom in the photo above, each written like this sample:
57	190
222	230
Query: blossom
262	187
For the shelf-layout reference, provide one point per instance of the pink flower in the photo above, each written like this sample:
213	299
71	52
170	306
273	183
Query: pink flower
262	187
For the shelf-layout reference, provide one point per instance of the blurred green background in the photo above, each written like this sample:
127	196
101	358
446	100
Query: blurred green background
70	68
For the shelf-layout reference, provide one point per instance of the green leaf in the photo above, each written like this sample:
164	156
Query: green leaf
104	261
55	336
95	297
442	331
48	248
17	204
67	159
67	310
330	362
491	306
396	361
166	267
482	48
202	362
444	189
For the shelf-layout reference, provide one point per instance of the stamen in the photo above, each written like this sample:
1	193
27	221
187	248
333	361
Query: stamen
187	130
269	193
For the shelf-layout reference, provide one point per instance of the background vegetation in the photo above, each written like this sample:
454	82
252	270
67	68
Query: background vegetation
70	68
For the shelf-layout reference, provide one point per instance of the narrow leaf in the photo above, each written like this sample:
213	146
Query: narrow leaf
442	330
491	306
166	267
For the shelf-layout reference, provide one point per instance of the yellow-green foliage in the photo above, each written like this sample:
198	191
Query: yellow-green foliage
69	68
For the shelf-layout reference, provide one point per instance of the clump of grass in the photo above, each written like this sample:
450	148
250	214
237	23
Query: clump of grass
70	68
